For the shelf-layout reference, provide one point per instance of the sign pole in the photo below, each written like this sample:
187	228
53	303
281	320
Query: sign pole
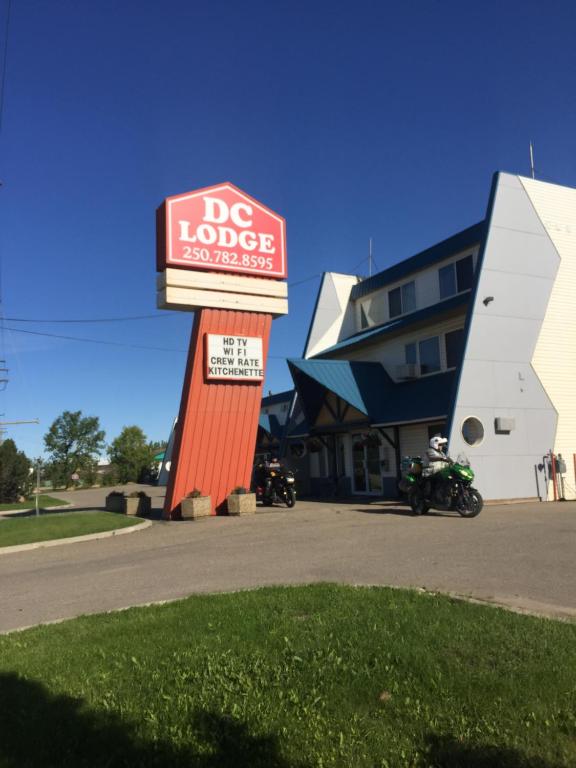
218	420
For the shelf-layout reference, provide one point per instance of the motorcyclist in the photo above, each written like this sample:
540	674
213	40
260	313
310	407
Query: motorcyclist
262	474
437	454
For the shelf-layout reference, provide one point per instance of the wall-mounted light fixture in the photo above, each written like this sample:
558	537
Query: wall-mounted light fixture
487	300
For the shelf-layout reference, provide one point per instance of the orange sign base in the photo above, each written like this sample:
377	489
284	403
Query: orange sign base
218	421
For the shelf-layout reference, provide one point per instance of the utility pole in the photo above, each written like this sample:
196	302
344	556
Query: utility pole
370	257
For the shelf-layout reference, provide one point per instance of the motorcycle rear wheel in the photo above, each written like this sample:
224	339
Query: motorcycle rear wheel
474	505
418	503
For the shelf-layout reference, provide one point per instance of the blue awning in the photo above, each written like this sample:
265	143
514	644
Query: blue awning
367	387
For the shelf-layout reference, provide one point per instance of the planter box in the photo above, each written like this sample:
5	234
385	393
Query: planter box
136	505
241	504
191	509
115	503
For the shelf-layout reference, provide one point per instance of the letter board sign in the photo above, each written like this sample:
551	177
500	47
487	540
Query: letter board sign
231	357
221	229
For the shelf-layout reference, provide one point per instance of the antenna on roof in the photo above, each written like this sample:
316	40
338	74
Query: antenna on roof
532	161
370	257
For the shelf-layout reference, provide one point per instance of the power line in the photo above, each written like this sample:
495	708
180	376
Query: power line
92	320
112	343
94	341
4	63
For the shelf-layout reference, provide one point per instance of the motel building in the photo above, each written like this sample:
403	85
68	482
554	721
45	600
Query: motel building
473	338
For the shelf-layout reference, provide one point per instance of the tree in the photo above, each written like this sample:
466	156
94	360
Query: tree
15	477
73	442
131	455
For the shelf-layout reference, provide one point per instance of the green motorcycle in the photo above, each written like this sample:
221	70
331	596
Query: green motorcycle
450	489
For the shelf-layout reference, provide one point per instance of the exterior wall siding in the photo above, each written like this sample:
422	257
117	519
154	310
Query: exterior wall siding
517	273
413	440
555	355
333	317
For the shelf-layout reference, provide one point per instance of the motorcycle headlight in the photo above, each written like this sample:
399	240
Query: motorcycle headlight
289	479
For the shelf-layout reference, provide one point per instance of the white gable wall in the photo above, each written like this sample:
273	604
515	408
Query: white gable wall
333	319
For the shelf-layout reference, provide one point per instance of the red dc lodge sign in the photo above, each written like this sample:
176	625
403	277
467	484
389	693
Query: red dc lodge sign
221	229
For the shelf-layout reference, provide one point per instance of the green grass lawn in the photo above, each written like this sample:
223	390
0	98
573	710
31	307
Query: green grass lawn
26	530
292	677
43	502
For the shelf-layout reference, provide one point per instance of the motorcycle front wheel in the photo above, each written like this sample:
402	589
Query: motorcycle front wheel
473	503
290	498
418	503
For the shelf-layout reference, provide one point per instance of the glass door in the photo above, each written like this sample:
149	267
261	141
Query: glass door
359	464
373	470
366	466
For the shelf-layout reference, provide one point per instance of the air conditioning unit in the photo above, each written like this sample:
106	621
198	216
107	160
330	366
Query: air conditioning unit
407	371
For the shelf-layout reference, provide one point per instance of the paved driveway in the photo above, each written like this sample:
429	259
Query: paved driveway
521	556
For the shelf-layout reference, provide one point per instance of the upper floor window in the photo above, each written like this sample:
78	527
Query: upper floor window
402	299
425	354
456	277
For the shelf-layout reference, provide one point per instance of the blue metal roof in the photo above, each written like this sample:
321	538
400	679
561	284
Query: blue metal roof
358	383
400	324
368	388
443	250
279	397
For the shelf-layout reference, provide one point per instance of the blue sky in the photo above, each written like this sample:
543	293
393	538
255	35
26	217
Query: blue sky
351	119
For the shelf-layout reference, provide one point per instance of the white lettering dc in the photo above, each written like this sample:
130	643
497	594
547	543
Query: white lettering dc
216	211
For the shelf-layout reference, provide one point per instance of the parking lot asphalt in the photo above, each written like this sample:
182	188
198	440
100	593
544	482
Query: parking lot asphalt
519	555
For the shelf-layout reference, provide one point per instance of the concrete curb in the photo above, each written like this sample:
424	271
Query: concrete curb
562	614
75	539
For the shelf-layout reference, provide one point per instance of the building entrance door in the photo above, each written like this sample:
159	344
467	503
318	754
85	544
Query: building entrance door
366	466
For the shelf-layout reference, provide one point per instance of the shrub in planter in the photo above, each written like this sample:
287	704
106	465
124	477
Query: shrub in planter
195	505
240	502
137	503
115	502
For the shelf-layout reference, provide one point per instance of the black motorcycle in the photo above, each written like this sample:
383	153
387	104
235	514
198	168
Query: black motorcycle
274	484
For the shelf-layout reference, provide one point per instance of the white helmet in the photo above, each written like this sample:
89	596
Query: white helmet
437	442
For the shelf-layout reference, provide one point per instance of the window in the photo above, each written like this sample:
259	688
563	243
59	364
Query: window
454	348
425	352
472	431
429	351
402	300
456	277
